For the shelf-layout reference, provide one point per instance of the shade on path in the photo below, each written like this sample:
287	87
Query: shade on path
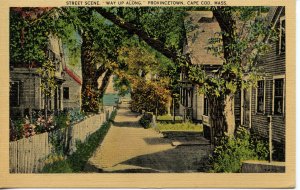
128	147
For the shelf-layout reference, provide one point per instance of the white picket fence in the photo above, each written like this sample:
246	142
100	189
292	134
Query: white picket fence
28	155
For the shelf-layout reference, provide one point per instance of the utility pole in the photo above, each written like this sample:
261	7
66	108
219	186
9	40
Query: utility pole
270	139
173	109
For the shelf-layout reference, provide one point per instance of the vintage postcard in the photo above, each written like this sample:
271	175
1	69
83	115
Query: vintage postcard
148	94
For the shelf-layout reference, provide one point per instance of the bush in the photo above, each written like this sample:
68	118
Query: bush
62	120
228	156
57	166
16	129
148	95
39	124
75	115
146	120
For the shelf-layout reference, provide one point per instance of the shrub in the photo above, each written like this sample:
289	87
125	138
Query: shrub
62	120
148	95
45	125
146	120
228	156
58	165
75	115
16	129
24	128
261	147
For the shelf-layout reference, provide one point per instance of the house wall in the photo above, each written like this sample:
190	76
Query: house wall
273	65
29	91
55	46
237	109
30	95
198	105
74	93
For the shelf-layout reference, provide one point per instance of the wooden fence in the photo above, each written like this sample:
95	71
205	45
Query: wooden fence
28	155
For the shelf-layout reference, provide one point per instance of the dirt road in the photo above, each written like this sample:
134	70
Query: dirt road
128	147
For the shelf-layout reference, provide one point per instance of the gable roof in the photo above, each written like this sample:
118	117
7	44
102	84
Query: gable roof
274	15
198	39
73	75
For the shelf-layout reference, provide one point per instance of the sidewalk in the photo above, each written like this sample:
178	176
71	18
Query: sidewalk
128	147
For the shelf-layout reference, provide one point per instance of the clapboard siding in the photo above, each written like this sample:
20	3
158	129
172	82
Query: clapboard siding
198	105
273	64
237	108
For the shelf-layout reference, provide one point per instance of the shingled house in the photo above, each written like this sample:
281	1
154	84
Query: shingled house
264	107
193	105
71	89
25	83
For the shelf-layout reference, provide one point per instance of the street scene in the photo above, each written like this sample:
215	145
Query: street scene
147	90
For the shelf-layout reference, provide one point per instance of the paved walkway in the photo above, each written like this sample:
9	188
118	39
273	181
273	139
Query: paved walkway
128	147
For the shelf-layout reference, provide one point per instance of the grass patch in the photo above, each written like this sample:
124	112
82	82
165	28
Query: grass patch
180	127
169	118
76	162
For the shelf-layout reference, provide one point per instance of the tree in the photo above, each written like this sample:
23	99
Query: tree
100	39
240	47
242	38
141	63
243	32
97	35
150	96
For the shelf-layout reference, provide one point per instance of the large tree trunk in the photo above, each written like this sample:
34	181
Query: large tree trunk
217	119
89	90
226	119
229	115
222	119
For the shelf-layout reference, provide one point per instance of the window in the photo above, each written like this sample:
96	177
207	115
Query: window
14	94
282	36
278	96
66	93
205	111
260	98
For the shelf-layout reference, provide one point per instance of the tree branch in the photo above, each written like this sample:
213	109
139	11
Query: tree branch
228	28
132	29
104	83
99	72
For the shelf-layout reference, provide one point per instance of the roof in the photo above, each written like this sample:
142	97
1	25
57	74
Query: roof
198	38
272	18
274	14
73	75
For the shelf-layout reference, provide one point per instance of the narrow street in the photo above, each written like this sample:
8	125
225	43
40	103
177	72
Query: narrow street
128	147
